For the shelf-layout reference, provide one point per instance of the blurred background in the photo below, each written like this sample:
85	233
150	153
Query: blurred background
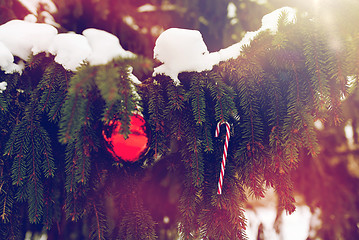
326	188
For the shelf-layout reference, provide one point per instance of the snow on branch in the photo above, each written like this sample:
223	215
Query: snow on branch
3	86
34	5
105	46
180	50
21	38
183	50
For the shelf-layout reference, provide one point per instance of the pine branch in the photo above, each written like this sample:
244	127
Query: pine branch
174	110
15	148
75	108
284	189
222	216
3	104
176	97
53	89
75	203
98	222
12	229
118	91
86	143
316	63
197	99
337	71
78	158
207	135
156	107
52	203
6	204
30	150
71	166
251	132
188	208
223	96
35	198
192	154
137	225
48	165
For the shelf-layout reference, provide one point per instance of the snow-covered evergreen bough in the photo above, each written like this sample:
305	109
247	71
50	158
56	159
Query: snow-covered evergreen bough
59	93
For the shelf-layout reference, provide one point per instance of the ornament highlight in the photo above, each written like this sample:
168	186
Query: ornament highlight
134	146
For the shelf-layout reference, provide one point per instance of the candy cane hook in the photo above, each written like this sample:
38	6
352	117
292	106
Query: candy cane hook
223	165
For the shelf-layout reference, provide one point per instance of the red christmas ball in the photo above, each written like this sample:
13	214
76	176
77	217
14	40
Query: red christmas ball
134	146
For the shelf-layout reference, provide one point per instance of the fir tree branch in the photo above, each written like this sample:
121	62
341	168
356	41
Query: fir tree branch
98	226
196	96
223	96
3	104
156	107
74	109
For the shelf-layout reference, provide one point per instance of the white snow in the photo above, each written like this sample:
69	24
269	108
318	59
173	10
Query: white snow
318	124
3	86
133	78
23	38
293	227
296	225
49	5
269	22
349	134
180	50
70	50
183	50
130	21
33	5
42	9
231	10
49	19
146	8
105	47
30	18
7	60
260	2
29	5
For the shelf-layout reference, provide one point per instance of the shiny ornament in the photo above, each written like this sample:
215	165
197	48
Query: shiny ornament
134	146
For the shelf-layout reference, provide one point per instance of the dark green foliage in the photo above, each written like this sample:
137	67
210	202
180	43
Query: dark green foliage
54	88
31	152
55	159
154	105
98	221
3	104
139	220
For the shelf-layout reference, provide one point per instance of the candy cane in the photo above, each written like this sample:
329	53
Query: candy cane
223	165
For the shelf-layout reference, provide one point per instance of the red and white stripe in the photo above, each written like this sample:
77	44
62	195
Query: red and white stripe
223	165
